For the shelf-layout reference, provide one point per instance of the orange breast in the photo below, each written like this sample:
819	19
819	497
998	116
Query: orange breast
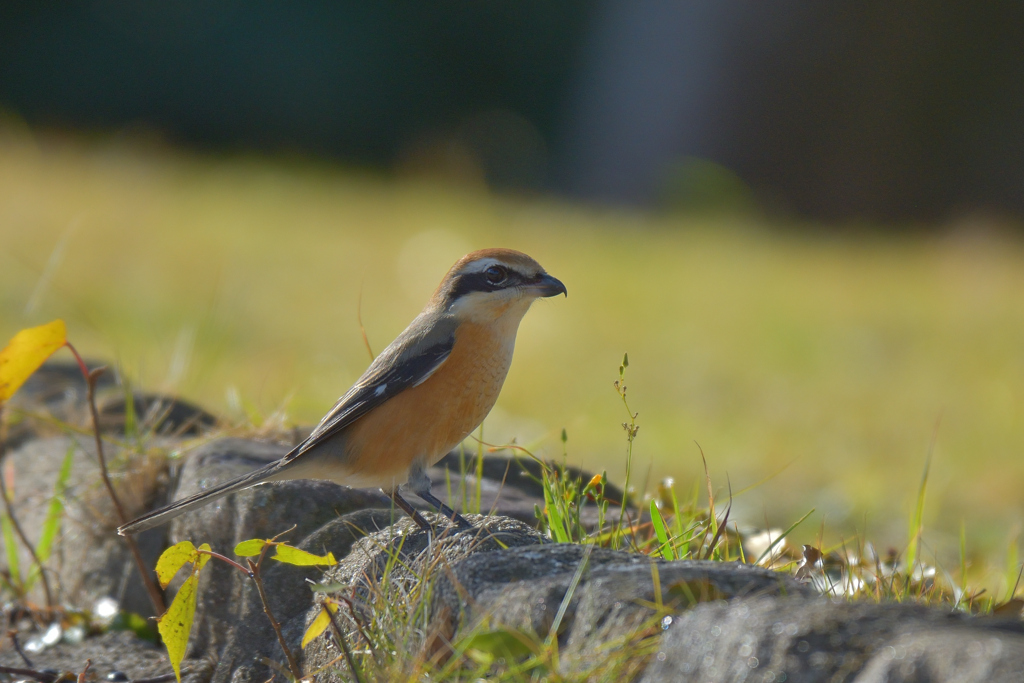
428	420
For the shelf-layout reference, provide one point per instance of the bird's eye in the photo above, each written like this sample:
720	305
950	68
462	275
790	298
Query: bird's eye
495	274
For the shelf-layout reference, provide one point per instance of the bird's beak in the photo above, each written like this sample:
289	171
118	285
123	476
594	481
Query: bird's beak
546	285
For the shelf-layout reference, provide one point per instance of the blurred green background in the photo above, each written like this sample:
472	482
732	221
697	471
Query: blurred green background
831	362
801	220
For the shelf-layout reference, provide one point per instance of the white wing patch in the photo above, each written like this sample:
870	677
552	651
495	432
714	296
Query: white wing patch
380	389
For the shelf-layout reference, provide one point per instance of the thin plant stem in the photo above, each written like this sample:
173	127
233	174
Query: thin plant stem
85	672
631	432
340	637
9	509
17	648
292	664
226	560
155	596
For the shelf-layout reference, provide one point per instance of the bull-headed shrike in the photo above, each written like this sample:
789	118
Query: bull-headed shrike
419	398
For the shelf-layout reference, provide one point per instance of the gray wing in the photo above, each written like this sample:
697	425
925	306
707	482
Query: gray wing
409	360
413	357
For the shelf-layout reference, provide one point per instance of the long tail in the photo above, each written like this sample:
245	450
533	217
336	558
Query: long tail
166	514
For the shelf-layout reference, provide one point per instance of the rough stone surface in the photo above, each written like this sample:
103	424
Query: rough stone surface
802	640
523	585
524	588
114	651
362	571
89	559
231	628
229	622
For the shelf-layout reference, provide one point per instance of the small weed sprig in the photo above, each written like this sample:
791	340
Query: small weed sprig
632	429
175	625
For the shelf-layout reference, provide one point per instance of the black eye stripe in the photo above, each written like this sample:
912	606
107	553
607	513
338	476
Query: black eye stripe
478	282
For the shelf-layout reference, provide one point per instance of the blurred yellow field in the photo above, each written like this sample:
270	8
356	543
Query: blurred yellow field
829	362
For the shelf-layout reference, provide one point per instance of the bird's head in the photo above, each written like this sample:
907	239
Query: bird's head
494	283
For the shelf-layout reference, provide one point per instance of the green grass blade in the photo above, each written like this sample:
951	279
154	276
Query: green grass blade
51	525
553	511
573	585
917	519
666	549
54	515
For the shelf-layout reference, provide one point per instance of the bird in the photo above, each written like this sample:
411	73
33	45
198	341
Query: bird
425	393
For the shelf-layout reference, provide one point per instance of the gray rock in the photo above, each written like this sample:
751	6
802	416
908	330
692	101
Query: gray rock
523	588
114	651
229	624
89	560
801	640
523	585
362	571
261	511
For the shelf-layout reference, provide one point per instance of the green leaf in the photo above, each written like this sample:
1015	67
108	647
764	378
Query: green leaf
289	555
176	623
11	545
556	524
487	646
319	625
250	548
53	516
173	559
667	551
26	352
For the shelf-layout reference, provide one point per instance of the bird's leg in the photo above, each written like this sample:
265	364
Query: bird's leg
420	485
444	509
408	509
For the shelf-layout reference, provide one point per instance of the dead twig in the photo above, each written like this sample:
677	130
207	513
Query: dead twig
13	635
85	671
155	596
343	644
254	572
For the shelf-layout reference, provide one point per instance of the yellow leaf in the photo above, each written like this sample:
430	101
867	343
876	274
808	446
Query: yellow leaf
250	548
290	555
176	623
319	625
173	559
26	352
